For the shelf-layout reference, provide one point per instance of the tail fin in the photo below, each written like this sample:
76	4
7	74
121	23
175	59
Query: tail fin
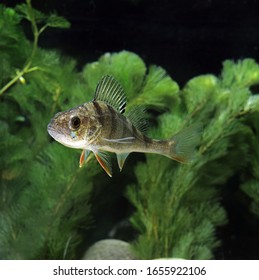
183	144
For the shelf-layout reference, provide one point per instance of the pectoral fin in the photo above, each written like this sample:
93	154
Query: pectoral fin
83	157
104	161
121	159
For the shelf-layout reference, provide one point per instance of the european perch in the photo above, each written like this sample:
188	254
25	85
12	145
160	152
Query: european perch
102	125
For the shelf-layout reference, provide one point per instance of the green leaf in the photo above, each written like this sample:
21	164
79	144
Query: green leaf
252	103
10	15
198	91
127	67
30	13
57	21
153	88
159	90
244	73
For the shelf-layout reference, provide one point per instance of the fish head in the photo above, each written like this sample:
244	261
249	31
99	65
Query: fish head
69	128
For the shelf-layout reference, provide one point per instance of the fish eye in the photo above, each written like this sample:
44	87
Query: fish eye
74	123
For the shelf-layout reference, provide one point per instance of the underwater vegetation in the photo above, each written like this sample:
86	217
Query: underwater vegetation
49	207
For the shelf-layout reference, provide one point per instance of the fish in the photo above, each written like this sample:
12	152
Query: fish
104	125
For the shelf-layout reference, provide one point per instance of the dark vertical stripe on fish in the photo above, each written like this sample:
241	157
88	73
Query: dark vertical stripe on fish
142	137
113	126
99	112
120	126
134	131
137	134
147	140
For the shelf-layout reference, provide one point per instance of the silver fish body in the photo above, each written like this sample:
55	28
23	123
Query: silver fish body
101	126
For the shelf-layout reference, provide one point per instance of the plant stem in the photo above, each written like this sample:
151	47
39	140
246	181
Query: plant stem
26	68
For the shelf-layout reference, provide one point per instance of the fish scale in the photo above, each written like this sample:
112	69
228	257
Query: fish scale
100	126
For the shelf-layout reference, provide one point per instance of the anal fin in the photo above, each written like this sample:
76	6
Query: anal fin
104	161
121	159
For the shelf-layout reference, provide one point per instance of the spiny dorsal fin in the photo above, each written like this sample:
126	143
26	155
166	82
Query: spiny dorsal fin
111	92
137	116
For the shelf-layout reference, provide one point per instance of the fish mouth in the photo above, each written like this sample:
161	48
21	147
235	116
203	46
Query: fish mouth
50	129
53	131
63	136
59	135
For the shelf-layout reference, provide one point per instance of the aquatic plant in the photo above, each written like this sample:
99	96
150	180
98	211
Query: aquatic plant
48	204
178	206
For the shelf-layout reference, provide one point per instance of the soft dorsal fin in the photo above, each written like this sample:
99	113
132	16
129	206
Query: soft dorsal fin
110	91
137	116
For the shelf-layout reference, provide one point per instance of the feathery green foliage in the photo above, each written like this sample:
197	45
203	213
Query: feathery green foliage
44	195
46	200
150	87
39	185
177	207
250	178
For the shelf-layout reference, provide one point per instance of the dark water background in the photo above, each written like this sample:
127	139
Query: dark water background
187	38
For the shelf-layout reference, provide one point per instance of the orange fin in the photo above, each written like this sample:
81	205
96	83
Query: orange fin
82	158
104	161
84	155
